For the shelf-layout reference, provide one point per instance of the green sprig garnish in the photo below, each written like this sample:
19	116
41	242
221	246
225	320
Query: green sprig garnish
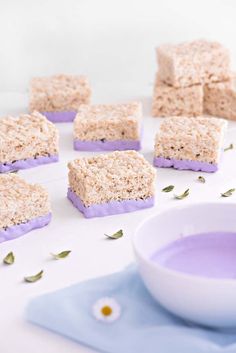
9	259
116	235
183	195
228	193
230	147
61	255
201	179
168	188
34	278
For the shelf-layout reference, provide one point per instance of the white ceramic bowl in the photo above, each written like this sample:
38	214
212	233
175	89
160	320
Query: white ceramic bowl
210	302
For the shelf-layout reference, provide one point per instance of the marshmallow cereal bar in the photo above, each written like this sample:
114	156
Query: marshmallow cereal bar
27	141
58	97
193	143
106	184
23	207
172	101
189	63
220	99
108	127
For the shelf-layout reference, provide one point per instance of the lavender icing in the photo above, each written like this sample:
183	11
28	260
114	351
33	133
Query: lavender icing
27	163
211	255
20	229
108	208
60	117
117	145
184	164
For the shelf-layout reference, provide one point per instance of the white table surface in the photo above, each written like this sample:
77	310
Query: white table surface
91	255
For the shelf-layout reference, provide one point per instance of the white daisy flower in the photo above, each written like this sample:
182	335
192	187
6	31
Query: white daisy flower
106	309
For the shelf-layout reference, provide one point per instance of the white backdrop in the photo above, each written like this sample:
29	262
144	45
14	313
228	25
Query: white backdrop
107	40
113	43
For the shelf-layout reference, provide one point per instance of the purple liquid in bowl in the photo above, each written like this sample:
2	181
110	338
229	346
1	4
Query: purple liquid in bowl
211	255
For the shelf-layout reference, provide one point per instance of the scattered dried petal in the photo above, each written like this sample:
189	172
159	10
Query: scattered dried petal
61	255
9	259
182	196
168	188
201	179
228	193
34	278
230	147
116	235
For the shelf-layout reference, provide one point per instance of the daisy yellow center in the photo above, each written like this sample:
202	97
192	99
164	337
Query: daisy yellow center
106	310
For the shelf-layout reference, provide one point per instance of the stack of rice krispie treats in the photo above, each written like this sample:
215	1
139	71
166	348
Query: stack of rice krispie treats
186	73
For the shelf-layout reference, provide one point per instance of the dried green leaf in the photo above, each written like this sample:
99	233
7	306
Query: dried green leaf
228	193
201	179
116	235
61	255
168	188
182	196
9	259
230	147
34	278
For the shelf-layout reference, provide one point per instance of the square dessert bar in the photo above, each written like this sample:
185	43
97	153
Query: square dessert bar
27	141
172	101
196	62
58	97
220	99
108	127
193	143
23	207
118	182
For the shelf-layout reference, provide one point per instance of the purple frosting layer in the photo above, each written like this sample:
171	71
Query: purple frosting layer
20	229
117	145
184	164
27	163
109	208
60	117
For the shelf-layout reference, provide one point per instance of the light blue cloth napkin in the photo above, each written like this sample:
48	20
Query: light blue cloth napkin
143	326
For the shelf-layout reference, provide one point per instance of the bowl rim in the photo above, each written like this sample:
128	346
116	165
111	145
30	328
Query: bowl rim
171	272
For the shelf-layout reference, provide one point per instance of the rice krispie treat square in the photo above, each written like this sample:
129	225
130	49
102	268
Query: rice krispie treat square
106	184
190	63
23	207
27	141
108	127
59	97
220	99
172	101
193	143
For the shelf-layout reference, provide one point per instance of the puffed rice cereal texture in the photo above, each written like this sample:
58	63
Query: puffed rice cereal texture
172	101
108	122
191	138
116	176
20	201
220	99
59	93
189	63
27	136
